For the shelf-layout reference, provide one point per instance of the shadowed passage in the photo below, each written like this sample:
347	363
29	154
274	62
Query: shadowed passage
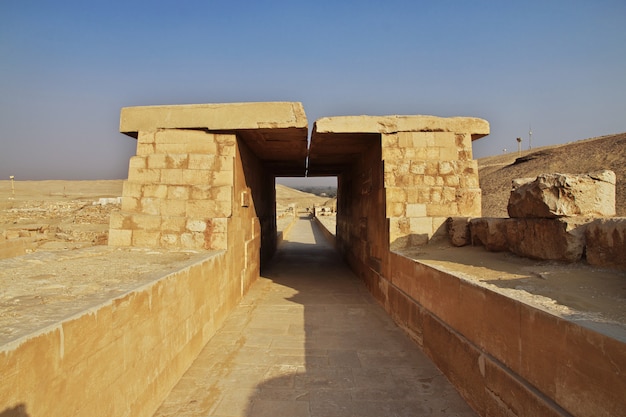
309	340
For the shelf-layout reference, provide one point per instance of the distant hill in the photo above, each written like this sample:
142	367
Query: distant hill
497	172
286	196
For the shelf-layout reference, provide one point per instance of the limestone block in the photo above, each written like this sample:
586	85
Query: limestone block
156	161
444	140
130	204
396	194
150	205
195	225
173	224
468	201
606	242
225	163
118	237
551	239
396	210
218	116
144	176
390	141
172	207
451	181
463	142
421	226
200	161
172	176
182	136
442	210
137	162
459	230
392	124
490	233
116	220
155	190
178	192
144	149
197	176
208	208
169	240
146	137
177	160
415	210
146	222
132	189
216	241
558	195
448	154
222	178
144	238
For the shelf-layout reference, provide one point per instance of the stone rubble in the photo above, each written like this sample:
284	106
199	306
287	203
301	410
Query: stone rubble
554	217
563	195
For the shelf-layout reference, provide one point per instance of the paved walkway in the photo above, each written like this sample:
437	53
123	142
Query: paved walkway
309	340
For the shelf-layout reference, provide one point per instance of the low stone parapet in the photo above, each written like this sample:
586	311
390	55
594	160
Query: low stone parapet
119	349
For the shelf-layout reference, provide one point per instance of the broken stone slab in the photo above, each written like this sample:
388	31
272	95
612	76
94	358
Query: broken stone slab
547	239
560	239
490	233
563	195
459	230
606	242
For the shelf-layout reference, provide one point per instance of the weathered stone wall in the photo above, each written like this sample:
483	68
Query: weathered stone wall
179	191
362	234
429	176
122	357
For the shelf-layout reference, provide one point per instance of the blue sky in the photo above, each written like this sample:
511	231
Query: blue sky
67	67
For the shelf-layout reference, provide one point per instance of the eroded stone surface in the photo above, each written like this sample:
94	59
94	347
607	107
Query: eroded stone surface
553	239
490	233
560	195
459	231
606	242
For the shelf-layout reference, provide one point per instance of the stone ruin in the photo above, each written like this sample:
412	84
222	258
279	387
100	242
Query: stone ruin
203	181
562	217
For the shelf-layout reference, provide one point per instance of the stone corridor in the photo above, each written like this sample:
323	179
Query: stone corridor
309	340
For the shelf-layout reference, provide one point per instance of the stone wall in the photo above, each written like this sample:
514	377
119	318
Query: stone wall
179	191
504	356
122	357
362	234
429	176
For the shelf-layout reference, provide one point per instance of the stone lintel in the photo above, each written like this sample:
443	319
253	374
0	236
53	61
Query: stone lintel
478	128
275	131
214	117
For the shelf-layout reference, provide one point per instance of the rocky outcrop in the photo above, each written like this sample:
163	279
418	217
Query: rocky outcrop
563	195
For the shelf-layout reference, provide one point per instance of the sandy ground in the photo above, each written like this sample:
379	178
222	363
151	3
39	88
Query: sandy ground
55	215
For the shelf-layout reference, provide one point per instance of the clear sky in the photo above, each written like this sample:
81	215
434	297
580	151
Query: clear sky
67	67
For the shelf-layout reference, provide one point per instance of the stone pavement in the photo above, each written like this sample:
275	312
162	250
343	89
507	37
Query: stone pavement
309	340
